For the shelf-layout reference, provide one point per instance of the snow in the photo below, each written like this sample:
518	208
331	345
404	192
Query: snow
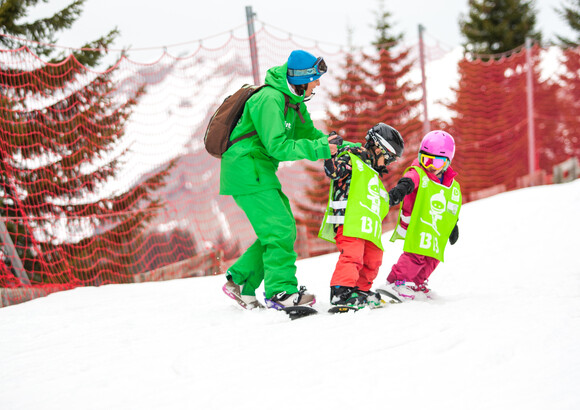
502	333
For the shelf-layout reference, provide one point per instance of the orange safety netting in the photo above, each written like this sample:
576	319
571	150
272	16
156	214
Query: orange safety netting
104	179
492	121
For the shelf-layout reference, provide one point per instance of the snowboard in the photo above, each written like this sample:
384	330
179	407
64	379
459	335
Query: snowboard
345	309
294	312
240	301
297	312
342	309
392	298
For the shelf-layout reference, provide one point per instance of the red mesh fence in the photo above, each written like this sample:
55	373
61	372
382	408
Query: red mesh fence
104	179
493	127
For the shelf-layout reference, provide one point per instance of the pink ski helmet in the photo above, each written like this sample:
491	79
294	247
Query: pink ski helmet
439	143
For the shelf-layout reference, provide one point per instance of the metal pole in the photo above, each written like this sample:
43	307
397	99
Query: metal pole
12	255
426	124
530	104
253	47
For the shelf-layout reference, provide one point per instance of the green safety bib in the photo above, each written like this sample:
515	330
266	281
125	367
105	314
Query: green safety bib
434	216
365	208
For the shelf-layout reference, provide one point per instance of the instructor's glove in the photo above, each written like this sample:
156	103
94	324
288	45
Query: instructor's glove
335	139
454	235
404	187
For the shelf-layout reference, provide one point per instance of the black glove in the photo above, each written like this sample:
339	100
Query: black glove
404	187
337	140
454	235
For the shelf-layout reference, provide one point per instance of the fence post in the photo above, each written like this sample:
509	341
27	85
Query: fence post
530	108
253	47
426	124
12	255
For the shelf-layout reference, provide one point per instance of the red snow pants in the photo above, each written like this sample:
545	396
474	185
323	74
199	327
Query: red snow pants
412	268
358	263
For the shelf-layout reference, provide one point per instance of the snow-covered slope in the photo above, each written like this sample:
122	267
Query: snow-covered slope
503	333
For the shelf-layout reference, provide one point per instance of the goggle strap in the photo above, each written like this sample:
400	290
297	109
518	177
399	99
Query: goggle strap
314	70
390	147
383	142
302	72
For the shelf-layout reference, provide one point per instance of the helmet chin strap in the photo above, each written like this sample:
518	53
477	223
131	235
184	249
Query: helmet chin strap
309	97
369	144
370	147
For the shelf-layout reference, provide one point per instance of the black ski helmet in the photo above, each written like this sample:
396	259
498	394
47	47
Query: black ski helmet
388	139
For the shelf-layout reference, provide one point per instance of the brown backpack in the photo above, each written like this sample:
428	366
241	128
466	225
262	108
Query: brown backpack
226	117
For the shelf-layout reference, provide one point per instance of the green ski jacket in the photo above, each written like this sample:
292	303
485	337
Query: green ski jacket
250	165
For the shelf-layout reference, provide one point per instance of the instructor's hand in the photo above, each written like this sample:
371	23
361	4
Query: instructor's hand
333	149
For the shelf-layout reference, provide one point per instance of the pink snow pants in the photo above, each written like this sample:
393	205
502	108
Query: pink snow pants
412	268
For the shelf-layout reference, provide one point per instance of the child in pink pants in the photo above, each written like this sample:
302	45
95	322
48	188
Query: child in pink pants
408	277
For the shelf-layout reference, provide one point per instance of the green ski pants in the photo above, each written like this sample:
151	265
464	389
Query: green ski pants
271	258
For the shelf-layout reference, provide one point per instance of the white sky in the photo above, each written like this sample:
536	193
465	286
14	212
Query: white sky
145	24
502	333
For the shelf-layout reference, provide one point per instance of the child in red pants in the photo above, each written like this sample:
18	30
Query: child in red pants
427	219
357	205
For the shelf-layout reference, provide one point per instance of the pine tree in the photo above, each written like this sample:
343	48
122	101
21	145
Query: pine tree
61	126
354	99
571	15
491	120
489	124
393	103
498	26
568	86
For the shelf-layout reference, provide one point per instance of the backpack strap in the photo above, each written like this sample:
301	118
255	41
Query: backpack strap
287	105
295	107
242	137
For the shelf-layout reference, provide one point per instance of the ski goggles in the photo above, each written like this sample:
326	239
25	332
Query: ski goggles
318	68
433	162
380	143
389	156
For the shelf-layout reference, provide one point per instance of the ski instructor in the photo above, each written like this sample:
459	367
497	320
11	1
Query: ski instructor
248	173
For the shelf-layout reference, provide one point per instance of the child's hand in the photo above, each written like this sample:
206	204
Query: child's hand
404	187
395	196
